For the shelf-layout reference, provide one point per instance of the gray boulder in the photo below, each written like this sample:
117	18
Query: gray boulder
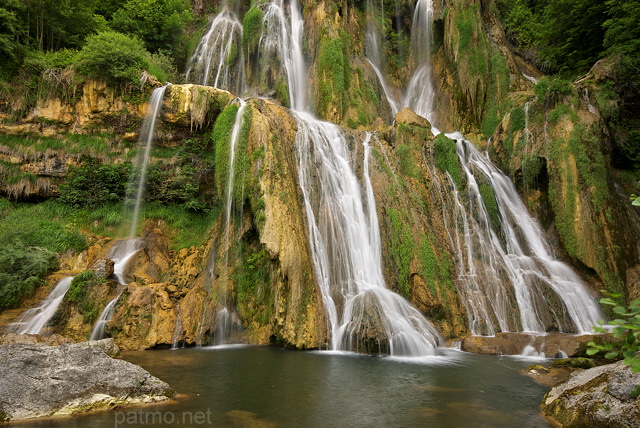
597	397
37	380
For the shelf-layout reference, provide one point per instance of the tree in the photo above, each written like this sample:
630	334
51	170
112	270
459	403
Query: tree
113	56
159	23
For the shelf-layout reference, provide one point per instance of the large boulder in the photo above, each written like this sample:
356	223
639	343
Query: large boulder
598	397
37	380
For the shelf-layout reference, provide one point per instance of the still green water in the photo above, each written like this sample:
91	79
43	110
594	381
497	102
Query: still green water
271	387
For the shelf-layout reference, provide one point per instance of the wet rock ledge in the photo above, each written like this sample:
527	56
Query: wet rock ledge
599	397
37	380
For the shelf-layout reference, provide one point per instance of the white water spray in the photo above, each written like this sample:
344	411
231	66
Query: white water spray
33	320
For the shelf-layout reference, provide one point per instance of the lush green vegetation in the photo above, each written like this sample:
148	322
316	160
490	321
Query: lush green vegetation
446	158
78	293
51	46
401	248
252	29
22	269
30	238
626	331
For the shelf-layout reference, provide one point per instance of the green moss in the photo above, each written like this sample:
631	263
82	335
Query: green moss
446	158
252	29
401	248
331	71
252	283
282	91
490	203
80	286
517	120
222	137
406	164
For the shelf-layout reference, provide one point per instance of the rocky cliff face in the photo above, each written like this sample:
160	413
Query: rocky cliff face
255	262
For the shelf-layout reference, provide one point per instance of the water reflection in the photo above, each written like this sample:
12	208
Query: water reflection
265	387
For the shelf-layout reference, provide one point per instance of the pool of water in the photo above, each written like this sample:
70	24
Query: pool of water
248	386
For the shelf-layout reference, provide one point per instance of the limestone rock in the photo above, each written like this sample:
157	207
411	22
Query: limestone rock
515	343
407	116
103	268
598	397
39	380
32	339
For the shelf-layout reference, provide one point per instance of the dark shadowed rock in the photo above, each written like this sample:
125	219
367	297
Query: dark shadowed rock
597	397
37	380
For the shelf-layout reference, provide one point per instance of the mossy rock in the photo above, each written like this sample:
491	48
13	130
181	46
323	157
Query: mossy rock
574	363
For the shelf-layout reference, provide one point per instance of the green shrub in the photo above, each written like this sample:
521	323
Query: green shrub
626	330
80	286
158	23
92	184
113	56
22	268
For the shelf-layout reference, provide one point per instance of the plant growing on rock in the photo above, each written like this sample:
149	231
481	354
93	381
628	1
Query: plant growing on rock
626	330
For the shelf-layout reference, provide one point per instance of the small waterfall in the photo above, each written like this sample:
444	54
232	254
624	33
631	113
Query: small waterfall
142	159
120	253
229	202
508	278
283	39
218	59
420	93
345	245
33	320
373	46
105	316
177	332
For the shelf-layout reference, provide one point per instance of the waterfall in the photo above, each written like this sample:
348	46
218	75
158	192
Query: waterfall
420	93
283	39
177	331
345	246
33	320
120	253
508	277
218	59
372	48
142	159
224	315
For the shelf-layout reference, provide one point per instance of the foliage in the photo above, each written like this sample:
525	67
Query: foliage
113	56
331	74
401	248
22	268
222	139
446	158
626	330
252	29
93	183
551	90
158	23
40	225
77	293
251	279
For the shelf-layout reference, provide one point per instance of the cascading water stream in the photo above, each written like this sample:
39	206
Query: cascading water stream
142	160
120	253
508	278
420	93
224	324
283	39
33	320
218	59
345	247
345	243
372	52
